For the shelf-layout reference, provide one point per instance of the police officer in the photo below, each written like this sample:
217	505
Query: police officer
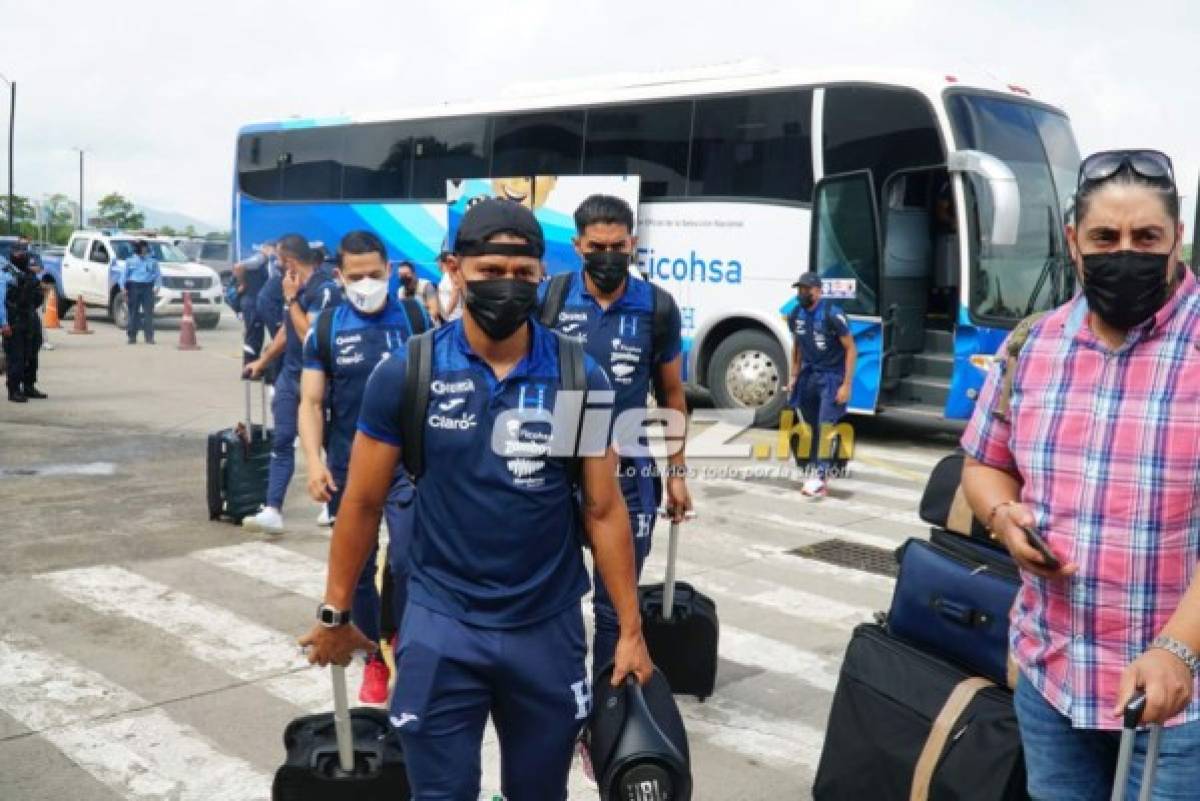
823	357
20	297
493	623
251	276
614	313
308	287
339	354
140	279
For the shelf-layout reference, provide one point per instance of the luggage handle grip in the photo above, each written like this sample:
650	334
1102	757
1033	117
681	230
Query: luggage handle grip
1131	719
960	613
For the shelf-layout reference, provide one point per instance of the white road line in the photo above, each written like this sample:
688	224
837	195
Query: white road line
826	530
745	730
210	633
42	690
741	588
150	756
795	498
913	457
142	755
271	564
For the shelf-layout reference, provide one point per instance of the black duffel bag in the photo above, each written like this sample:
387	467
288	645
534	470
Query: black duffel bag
907	726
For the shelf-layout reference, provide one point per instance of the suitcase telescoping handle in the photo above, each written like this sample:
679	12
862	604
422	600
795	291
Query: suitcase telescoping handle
341	719
249	417
1133	716
672	553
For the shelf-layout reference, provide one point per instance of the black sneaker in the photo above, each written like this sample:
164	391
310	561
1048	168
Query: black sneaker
17	397
35	393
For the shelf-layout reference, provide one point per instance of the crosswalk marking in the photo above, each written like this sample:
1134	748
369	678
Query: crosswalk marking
801	502
278	566
745	730
141	753
211	633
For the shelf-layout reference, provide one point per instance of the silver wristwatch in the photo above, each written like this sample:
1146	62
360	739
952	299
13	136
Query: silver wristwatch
1180	650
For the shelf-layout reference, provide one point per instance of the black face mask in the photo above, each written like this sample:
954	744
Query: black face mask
500	306
807	300
607	268
1125	288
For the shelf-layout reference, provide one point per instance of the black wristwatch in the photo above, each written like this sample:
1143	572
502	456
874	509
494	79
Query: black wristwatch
331	617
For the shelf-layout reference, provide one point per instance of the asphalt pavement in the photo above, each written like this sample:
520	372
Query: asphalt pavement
148	653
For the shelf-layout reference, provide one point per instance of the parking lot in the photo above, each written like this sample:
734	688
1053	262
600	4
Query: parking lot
148	652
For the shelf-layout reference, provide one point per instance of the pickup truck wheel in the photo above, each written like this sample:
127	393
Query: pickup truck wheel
208	322
118	310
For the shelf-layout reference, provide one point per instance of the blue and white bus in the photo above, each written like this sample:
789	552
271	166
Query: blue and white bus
938	204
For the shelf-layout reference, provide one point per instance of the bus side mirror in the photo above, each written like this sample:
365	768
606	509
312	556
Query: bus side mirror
1002	185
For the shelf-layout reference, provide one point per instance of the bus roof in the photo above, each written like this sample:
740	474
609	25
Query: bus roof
634	87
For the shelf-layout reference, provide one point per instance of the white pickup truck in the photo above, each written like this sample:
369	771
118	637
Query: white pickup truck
92	263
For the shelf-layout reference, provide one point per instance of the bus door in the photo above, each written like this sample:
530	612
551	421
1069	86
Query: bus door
844	251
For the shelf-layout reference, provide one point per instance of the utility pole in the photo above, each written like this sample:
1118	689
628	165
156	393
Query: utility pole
81	213
12	123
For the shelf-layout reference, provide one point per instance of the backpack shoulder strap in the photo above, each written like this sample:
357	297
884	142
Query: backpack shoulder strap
572	377
325	340
661	324
556	295
1012	353
415	314
419	351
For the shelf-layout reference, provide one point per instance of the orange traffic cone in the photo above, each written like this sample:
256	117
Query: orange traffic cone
80	318
50	318
187	326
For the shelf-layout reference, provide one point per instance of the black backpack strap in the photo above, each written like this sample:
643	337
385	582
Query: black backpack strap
324	340
556	295
416	402
572	377
661	325
415	313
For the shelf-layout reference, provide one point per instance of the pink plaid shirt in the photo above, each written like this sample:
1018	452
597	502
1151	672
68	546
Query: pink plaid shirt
1107	445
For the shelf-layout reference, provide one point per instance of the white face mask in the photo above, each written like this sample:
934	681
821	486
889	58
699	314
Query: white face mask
367	294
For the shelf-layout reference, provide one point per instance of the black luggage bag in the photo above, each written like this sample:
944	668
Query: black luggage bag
343	755
681	630
238	462
907	726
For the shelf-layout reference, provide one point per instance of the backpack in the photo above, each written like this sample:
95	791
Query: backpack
560	285
1012	351
412	310
572	378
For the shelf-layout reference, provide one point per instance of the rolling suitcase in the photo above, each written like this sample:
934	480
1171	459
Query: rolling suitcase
1133	716
238	461
349	754
907	726
952	599
681	630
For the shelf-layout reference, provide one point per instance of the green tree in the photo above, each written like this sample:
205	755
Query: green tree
189	231
120	212
166	230
23	212
59	218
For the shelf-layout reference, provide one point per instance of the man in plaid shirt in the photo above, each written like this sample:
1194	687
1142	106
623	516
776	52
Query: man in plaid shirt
1098	453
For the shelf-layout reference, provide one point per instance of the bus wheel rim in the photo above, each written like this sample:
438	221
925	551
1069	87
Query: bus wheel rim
752	379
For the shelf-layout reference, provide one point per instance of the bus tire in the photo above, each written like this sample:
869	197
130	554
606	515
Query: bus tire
748	370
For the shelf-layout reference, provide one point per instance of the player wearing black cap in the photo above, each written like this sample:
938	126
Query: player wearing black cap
823	357
493	623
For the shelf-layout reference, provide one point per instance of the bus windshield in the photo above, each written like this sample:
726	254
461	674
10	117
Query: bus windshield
1032	274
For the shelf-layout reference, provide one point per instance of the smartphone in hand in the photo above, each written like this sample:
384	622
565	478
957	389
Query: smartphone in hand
1048	558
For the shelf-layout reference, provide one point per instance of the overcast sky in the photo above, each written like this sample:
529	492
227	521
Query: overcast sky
156	91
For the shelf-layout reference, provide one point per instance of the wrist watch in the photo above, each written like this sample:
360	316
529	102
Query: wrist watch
331	617
1174	646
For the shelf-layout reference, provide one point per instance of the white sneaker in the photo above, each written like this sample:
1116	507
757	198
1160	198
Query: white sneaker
813	488
323	519
268	521
47	345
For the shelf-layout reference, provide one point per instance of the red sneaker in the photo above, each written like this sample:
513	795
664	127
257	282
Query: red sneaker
374	688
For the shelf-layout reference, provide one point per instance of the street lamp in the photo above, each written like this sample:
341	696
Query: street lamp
12	117
81	151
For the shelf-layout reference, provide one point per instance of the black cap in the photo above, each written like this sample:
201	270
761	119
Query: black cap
499	216
810	280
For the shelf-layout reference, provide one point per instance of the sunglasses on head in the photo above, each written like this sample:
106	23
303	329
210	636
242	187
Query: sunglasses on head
1152	165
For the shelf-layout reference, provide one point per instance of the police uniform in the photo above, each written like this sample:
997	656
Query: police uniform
20	297
493	623
817	332
621	340
358	342
141	278
318	293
